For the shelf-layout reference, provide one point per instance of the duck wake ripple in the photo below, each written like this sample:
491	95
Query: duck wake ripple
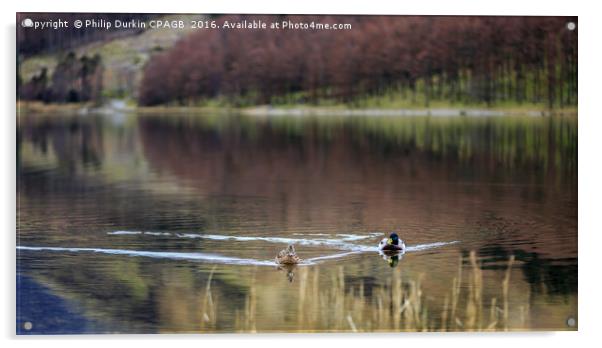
220	259
341	242
214	258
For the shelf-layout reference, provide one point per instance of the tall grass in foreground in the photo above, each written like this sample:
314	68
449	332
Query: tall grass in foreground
397	306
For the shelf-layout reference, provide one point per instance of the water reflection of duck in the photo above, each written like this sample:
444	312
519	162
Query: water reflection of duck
288	256
392	258
289	269
393	243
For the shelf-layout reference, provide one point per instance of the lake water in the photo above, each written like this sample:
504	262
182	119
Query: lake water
170	223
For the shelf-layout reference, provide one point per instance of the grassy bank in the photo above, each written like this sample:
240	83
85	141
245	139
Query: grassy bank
37	107
389	100
325	109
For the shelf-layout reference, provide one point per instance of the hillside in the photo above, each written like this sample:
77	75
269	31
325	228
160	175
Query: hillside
122	58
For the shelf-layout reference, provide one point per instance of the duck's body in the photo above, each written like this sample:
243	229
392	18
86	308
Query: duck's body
288	256
392	244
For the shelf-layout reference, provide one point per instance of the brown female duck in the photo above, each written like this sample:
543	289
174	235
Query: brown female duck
288	256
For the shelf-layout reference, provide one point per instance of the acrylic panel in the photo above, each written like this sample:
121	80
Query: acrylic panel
194	173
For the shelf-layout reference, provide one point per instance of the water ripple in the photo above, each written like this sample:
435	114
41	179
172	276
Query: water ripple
341	243
214	258
160	254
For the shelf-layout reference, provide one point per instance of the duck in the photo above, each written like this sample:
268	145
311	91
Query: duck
288	256
392	244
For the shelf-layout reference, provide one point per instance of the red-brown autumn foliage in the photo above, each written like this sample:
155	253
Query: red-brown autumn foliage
460	59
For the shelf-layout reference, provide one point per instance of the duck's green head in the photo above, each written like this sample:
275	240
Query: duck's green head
393	239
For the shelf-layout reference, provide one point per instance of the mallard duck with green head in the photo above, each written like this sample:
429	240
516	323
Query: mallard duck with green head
392	244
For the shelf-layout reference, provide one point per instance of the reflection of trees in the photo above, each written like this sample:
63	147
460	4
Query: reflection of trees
494	149
295	170
546	253
74	143
371	168
71	147
544	274
67	171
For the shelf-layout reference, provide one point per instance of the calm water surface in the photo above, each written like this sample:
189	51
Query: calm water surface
142	224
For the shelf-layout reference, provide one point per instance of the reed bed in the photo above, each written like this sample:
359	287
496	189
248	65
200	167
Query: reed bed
399	305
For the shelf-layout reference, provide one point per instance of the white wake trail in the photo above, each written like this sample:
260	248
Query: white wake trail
340	243
159	254
214	258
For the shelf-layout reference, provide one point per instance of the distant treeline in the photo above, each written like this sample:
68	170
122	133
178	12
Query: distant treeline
417	58
75	79
31	41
